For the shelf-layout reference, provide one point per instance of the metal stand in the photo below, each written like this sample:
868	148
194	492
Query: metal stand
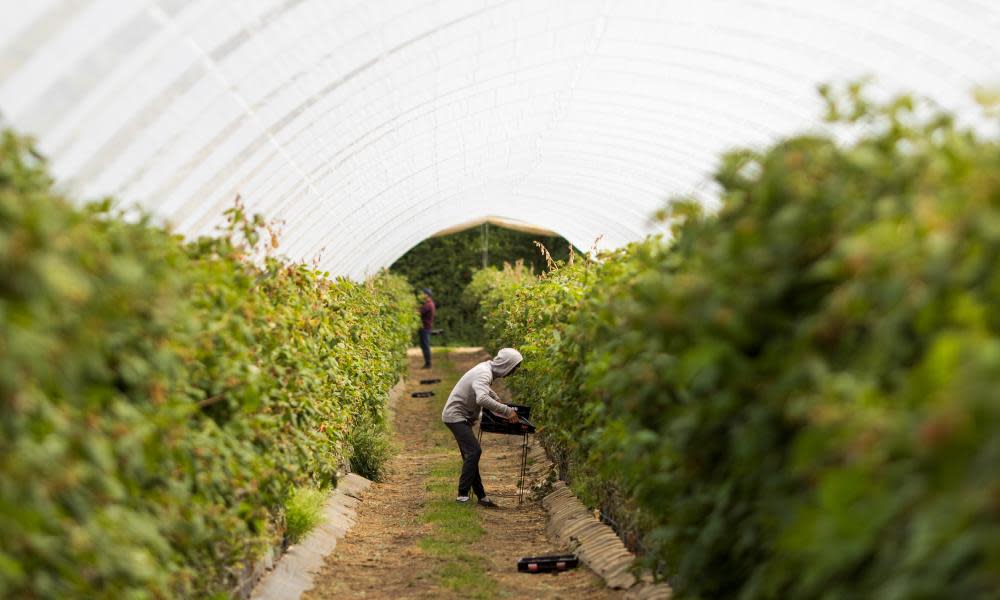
524	466
524	470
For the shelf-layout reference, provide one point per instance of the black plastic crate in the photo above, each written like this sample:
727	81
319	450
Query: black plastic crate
522	410
491	423
548	564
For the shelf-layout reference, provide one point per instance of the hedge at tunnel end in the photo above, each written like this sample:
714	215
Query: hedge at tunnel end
796	397
160	399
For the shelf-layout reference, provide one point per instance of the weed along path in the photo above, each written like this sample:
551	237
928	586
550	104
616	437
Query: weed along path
412	540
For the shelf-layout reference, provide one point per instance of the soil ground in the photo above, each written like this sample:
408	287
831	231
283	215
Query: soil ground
412	540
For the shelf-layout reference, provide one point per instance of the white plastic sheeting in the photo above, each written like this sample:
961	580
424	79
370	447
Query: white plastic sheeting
367	126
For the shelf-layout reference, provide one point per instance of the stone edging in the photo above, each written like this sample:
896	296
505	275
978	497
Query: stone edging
596	543
294	572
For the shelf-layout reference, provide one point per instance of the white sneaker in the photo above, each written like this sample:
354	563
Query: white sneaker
462	499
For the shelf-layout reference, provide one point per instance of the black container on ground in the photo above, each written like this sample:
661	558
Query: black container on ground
547	564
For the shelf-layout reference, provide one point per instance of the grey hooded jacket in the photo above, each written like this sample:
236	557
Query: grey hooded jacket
472	392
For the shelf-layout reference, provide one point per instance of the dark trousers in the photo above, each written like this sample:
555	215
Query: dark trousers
425	345
469	446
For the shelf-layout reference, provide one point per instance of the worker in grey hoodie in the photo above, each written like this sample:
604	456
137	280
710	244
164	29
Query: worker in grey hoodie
472	393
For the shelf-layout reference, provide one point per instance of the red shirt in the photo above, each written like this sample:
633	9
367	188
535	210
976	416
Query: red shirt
427	313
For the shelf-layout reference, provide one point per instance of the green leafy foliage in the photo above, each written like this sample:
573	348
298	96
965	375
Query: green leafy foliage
796	397
159	398
445	265
303	511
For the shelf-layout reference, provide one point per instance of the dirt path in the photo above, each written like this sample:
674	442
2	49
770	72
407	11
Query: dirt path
412	541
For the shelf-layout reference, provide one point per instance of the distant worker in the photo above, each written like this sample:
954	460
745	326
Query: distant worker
472	393
427	312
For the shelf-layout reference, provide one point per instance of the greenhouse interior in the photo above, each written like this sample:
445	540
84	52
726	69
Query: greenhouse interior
717	280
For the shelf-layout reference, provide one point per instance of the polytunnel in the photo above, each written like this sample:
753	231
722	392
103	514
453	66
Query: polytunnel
368	126
225	225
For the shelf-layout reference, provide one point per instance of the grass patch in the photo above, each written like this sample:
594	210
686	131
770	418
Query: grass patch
371	451
469	578
454	523
303	511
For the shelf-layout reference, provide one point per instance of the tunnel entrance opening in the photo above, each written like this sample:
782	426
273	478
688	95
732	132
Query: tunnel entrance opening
445	263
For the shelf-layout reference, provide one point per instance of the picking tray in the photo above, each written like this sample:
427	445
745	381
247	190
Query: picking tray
548	564
493	424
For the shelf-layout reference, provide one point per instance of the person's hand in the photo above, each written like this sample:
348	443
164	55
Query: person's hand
513	418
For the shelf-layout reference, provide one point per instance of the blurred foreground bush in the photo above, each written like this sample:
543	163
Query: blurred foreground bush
160	398
798	397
